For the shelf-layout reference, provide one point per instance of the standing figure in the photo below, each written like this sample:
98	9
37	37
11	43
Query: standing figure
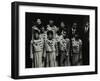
85	38
37	49
51	50
64	49
76	50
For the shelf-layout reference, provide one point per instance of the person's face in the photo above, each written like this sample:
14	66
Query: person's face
38	21
86	26
62	24
36	35
76	36
64	33
74	25
57	28
50	36
51	22
42	29
73	30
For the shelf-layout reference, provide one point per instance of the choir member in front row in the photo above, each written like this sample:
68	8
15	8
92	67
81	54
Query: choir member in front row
37	49
51	49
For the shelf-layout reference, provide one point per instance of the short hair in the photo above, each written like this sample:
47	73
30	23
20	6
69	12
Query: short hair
49	32
36	31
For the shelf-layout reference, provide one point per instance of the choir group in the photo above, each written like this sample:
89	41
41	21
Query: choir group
53	46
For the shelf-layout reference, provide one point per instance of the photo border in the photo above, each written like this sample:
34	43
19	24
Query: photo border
15	39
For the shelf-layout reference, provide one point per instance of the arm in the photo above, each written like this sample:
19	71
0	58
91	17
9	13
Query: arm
44	51
80	49
68	47
56	47
31	50
71	48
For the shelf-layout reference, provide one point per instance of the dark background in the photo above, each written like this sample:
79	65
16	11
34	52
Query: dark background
45	17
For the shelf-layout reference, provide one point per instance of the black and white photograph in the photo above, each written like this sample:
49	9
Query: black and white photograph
50	40
54	40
